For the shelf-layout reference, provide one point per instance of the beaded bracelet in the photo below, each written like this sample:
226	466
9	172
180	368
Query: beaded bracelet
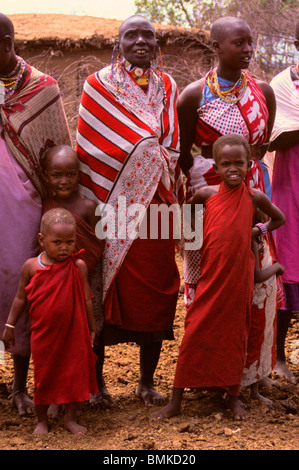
9	326
262	227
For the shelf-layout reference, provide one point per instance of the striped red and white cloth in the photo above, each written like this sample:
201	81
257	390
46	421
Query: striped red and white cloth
34	120
128	147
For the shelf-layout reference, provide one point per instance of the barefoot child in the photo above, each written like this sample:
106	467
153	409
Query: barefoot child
62	324
62	177
213	349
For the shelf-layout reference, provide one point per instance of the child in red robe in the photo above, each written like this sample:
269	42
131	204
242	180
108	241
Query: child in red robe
62	323
62	177
213	349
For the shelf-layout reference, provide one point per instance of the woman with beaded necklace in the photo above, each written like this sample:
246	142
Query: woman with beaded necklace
127	143
227	101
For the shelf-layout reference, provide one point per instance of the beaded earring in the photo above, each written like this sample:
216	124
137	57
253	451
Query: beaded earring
159	69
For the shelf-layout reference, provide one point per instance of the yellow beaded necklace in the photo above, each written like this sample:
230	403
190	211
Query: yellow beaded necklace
232	94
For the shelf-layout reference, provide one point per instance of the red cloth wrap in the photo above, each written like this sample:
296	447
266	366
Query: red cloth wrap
213	348
64	363
143	295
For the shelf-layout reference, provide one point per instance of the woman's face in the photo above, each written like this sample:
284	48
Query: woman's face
137	41
236	48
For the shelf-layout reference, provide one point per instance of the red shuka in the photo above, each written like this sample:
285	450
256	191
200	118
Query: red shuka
213	348
63	360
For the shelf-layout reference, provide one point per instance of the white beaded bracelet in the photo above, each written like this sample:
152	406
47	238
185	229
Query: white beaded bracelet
9	326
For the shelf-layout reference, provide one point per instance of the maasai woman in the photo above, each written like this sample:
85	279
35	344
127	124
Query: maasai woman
128	147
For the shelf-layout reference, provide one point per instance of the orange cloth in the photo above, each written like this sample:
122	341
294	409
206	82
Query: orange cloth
63	360
213	348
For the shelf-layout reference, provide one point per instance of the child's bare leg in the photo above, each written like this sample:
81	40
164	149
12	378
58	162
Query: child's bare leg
53	411
173	408
19	395
149	357
102	399
70	422
236	406
42	420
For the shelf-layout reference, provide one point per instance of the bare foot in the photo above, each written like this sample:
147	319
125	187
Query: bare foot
255	395
23	403
75	428
53	411
102	400
282	370
41	428
237	408
149	395
168	411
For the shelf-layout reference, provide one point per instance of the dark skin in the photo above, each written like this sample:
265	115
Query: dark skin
231	160
138	44
231	52
62	176
284	141
8	61
60	238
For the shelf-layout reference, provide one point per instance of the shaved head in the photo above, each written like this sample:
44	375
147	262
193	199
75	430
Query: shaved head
6	27
220	28
128	20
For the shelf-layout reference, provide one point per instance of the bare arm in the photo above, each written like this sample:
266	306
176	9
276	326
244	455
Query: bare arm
285	141
91	218
276	217
261	275
18	305
188	104
88	301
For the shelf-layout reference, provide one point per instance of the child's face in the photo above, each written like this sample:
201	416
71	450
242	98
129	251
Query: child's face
232	164
62	174
58	242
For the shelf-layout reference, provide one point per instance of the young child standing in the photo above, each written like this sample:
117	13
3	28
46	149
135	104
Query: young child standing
62	324
62	179
213	349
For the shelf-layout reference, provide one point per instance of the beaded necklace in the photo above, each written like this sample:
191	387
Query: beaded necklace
231	94
11	81
140	75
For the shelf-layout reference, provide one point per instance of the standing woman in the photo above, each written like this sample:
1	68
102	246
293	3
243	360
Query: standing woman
226	101
127	143
32	119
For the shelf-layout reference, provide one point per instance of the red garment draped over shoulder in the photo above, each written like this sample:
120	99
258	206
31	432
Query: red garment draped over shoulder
213	348
64	363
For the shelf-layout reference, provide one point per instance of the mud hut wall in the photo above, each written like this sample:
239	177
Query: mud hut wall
70	67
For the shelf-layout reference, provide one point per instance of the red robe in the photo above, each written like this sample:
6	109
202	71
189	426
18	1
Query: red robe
213	348
63	360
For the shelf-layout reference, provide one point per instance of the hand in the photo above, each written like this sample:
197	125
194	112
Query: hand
258	151
8	337
280	268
